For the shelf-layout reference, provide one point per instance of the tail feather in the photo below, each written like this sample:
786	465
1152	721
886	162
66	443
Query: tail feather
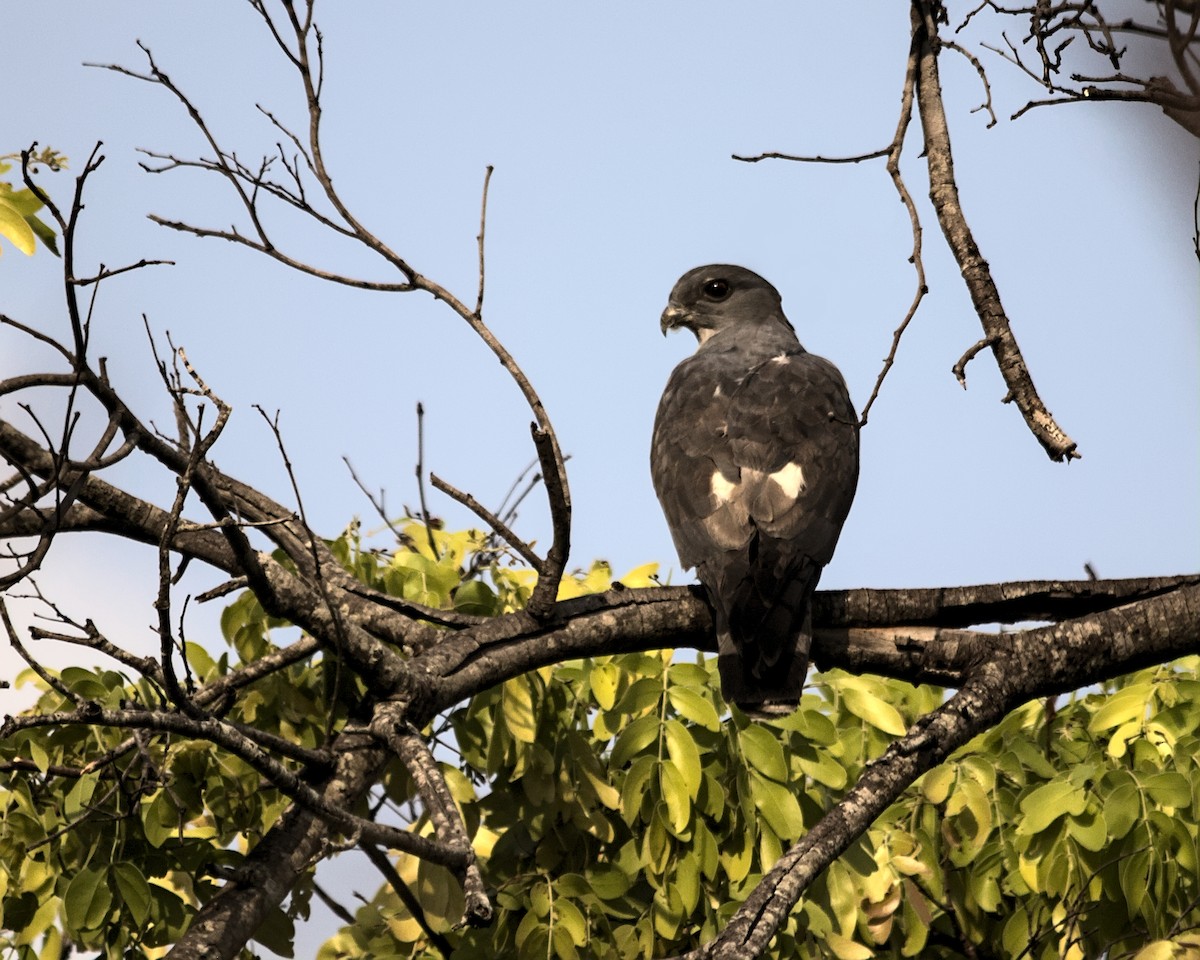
764	630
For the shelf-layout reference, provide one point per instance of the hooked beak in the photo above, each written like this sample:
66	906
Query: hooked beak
674	316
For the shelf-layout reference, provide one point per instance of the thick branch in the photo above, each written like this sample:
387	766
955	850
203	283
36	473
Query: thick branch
1035	663
276	864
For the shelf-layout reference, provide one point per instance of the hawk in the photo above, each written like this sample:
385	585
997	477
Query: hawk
755	461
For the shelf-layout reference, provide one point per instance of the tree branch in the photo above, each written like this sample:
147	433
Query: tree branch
943	191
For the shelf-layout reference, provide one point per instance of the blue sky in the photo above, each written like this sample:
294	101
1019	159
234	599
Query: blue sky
611	128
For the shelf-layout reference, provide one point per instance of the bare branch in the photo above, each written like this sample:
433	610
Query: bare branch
487	179
420	471
493	521
391	727
943	191
857	158
893	168
105	274
960	367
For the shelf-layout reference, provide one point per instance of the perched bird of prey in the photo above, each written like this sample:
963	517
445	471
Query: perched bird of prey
755	461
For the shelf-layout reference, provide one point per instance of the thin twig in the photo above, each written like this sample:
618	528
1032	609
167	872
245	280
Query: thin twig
379	504
48	678
857	158
894	151
960	368
105	274
487	179
425	518
384	865
493	521
1196	221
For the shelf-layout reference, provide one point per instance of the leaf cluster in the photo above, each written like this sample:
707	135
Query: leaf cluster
617	807
19	223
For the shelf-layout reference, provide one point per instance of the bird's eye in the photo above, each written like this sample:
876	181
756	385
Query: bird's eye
716	289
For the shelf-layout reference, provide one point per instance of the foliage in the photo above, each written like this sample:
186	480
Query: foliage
19	222
619	810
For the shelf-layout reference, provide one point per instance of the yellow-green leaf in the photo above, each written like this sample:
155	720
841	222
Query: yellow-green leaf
846	949
878	713
677	797
14	227
937	782
1158	950
684	754
518	710
604	679
1045	804
778	807
763	752
87	900
695	707
1121	707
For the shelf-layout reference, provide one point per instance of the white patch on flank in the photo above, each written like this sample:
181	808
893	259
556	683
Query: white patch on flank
782	358
790	480
722	489
717	391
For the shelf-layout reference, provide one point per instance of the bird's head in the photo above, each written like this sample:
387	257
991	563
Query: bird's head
710	299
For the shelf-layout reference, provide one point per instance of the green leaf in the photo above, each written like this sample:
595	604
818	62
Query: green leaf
683	753
87	900
633	790
846	949
134	890
1015	936
1124	706
878	713
440	895
633	740
571	918
641	695
936	783
1134	873
763	752
476	598
518	710
14	227
1169	788
1123	808
812	725
693	706
1089	829
277	933
1045	804
778	806
45	234
609	882
1158	950
677	797
687	881
821	767
605	679
736	854
80	795
160	818
24	201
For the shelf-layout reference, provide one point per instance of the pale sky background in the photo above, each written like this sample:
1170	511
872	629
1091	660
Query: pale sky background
611	128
